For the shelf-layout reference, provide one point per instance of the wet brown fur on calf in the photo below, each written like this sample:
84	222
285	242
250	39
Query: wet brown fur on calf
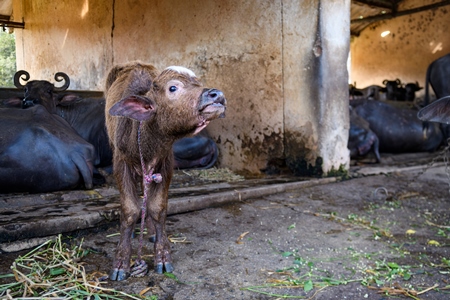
168	116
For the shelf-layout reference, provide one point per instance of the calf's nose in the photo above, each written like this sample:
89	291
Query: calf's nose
214	96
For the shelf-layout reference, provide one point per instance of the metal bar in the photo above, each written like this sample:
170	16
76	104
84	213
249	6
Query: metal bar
12	24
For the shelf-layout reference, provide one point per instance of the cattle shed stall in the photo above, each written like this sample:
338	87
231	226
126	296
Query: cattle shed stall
281	64
397	39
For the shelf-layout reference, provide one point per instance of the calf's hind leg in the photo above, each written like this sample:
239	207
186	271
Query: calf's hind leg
157	210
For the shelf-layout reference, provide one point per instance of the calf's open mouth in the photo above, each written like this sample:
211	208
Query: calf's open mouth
217	106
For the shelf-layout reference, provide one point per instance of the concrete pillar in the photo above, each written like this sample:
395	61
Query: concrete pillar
316	39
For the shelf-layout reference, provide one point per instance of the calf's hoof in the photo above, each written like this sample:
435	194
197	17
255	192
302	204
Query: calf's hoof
118	274
152	238
159	268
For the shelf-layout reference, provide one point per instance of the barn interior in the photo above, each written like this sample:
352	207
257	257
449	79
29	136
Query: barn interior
284	66
402	37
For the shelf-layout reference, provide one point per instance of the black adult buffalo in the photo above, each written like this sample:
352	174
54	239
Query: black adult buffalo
438	76
410	91
40	91
398	130
393	89
40	152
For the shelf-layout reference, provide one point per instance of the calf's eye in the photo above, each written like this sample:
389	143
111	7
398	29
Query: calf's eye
172	88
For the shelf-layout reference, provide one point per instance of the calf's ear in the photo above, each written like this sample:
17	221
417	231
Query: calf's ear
134	107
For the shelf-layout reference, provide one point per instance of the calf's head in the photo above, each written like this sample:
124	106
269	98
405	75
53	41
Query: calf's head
40	91
176	103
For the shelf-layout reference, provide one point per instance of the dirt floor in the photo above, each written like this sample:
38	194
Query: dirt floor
383	233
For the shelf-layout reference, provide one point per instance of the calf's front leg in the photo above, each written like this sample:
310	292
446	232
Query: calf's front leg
129	214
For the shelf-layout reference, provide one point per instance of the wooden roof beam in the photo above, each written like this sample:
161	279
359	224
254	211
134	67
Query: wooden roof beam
5	22
379	3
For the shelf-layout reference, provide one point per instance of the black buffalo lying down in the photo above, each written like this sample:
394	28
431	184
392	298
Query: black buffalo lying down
40	152
398	130
85	115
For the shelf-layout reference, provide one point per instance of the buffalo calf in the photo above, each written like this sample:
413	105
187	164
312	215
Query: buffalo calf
146	112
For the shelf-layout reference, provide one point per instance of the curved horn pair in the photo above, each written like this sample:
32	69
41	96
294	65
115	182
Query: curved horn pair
24	75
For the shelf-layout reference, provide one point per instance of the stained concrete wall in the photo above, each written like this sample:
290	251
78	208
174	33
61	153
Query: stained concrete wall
414	42
262	54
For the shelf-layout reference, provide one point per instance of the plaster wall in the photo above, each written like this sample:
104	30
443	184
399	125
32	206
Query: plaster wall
414	42
258	52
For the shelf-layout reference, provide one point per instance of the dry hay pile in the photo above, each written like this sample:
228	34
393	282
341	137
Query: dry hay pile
53	270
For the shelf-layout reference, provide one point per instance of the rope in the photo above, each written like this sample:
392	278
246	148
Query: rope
147	177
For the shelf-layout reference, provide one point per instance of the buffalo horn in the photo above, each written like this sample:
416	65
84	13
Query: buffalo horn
17	77
60	76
